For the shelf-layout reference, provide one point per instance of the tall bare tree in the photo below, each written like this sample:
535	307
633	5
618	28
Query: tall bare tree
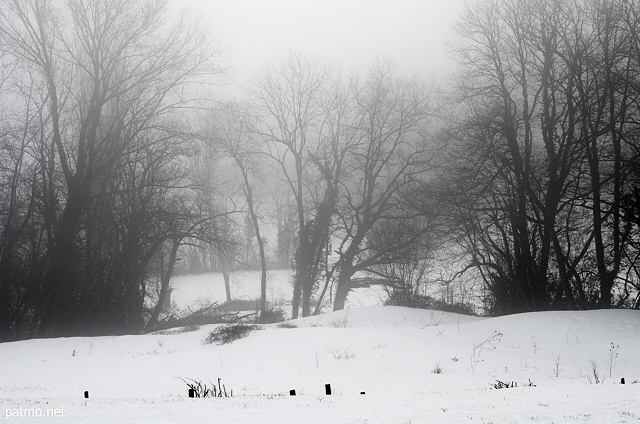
229	131
388	157
287	98
116	78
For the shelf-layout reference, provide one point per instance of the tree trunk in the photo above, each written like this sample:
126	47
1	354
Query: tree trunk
344	287
263	271
307	263
227	284
62	281
164	287
224	266
256	228
307	291
295	300
327	282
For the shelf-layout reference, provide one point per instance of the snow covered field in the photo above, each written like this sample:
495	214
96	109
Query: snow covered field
414	366
190	289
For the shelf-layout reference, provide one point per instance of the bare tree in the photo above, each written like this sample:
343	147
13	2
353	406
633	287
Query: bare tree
543	107
117	78
229	132
386	162
287	98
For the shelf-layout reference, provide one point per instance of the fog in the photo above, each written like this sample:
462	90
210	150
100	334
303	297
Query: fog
348	34
142	140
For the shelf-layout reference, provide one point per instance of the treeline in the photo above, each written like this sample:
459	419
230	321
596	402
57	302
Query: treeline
516	190
542	152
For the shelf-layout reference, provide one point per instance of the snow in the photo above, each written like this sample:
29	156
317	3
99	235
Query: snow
206	288
389	353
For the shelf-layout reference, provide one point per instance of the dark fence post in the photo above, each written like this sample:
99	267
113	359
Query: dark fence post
327	389
86	394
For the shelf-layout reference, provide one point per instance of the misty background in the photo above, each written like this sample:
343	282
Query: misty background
478	158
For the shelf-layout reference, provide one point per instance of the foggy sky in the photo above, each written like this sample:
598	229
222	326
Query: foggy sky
347	33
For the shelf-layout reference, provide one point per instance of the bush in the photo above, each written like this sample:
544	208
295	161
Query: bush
287	325
458	308
272	316
415	300
409	299
229	333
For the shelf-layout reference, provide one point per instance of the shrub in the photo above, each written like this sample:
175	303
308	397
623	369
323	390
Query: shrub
502	385
421	301
341	322
287	325
458	308
272	316
342	353
410	299
200	389
597	378
229	333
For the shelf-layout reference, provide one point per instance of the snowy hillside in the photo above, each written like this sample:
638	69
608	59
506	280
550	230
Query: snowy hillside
414	366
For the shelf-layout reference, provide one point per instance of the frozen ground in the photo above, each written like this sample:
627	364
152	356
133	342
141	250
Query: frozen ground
415	366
